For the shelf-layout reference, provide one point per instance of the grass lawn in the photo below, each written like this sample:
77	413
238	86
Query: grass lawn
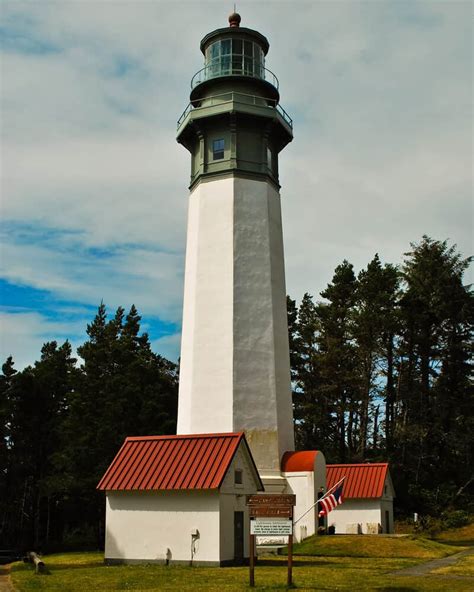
367	571
374	546
464	567
463	536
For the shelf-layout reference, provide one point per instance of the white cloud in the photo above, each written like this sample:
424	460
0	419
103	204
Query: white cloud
151	280
168	346
24	333
381	97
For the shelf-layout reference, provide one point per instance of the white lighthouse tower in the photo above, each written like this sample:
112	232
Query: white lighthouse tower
235	371
235	367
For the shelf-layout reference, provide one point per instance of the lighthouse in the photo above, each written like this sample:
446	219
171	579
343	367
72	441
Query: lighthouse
235	370
235	421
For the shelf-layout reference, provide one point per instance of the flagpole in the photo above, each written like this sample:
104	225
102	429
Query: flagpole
319	500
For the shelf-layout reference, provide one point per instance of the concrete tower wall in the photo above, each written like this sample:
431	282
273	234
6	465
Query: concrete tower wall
235	371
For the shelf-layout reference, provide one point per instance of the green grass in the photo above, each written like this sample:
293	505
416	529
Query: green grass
374	546
464	567
86	572
346	563
463	536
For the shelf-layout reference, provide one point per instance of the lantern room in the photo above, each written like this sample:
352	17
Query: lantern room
234	122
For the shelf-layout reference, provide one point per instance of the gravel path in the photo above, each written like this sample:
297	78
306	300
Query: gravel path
5	582
425	568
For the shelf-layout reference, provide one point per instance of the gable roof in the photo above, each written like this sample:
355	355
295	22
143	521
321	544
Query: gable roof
303	460
362	480
196	461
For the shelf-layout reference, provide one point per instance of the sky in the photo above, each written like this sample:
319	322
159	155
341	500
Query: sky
94	186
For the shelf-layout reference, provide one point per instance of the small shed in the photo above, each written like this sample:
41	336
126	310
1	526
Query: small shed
305	472
179	499
368	498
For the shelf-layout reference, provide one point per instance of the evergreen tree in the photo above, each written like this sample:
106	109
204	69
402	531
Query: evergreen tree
375	324
124	389
435	375
36	406
6	379
314	411
340	383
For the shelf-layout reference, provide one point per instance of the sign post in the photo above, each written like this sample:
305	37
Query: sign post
252	560
270	515
290	559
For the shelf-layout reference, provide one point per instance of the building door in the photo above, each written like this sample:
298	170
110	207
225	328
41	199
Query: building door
321	519
238	537
387	521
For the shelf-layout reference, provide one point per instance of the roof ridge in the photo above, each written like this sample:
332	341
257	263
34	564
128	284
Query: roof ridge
184	436
362	480
367	464
174	462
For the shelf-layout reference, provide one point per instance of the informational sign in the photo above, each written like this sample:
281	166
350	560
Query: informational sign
271	515
271	500
278	506
271	527
277	512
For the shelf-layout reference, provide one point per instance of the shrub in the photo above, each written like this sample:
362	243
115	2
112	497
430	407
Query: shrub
455	519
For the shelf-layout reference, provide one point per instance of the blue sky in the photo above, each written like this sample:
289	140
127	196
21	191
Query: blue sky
94	186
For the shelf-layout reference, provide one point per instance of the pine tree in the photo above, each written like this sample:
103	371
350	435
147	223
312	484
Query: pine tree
124	390
6	485
435	374
340	382
314	412
375	323
36	407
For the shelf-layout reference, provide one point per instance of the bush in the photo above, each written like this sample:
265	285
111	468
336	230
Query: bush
429	526
455	519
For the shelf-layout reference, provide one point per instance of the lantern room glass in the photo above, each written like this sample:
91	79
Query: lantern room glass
235	57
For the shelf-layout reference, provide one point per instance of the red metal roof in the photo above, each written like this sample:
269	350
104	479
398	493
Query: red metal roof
303	460
196	461
362	480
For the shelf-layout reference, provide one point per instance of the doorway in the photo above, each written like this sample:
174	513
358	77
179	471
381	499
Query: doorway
387	522
238	537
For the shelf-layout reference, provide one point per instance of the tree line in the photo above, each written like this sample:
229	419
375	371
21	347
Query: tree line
381	370
63	423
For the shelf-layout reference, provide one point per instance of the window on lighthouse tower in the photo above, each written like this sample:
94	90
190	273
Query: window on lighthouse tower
269	158
218	149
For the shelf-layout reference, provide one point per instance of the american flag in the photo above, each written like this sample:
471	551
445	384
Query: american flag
331	500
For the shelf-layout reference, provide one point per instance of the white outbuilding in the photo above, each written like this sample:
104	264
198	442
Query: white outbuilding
179	499
368	498
305	473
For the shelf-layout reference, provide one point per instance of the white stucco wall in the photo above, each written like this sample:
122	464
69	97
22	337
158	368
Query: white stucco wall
142	525
362	512
355	512
232	499
206	381
305	485
234	372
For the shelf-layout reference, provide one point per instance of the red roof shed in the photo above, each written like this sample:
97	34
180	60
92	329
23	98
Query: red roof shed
362	481
196	461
